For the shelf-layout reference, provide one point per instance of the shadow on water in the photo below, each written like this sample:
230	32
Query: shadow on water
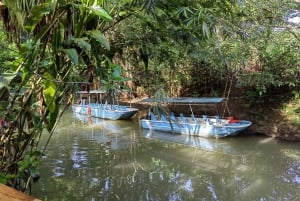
95	159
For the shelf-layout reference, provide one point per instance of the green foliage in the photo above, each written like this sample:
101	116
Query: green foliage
36	14
180	47
274	66
291	108
98	36
72	55
4	178
10	54
29	165
114	80
229	40
50	50
49	92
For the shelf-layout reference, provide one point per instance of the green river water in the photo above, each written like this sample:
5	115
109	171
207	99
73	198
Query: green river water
94	159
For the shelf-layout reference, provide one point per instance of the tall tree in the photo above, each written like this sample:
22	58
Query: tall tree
211	38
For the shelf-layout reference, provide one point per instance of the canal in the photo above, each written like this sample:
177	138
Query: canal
94	159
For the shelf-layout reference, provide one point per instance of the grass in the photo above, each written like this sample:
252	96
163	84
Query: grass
291	109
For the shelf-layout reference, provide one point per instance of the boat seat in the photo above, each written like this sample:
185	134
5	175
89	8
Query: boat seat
152	116
194	118
163	117
206	120
218	120
183	118
172	116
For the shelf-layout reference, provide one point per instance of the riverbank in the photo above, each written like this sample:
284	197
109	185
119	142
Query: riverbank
280	122
272	122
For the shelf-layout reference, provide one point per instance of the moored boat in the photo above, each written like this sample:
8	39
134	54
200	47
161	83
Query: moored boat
102	110
204	126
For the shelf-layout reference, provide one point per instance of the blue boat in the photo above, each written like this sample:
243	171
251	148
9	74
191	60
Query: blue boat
204	126
102	110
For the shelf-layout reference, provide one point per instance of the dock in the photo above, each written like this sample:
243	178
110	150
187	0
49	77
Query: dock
10	194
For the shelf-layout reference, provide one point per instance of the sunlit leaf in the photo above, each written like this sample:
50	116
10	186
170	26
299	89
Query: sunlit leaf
123	13
24	73
49	92
98	36
97	10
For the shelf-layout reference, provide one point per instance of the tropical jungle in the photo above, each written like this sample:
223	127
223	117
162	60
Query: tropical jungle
246	51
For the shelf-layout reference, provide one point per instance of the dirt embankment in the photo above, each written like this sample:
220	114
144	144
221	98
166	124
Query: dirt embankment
265	121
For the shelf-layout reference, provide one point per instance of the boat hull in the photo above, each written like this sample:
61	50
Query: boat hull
216	130
111	112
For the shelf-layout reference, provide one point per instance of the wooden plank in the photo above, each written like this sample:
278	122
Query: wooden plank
10	194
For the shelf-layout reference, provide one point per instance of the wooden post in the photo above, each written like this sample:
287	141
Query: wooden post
10	194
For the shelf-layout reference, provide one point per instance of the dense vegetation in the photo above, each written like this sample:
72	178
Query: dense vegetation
186	47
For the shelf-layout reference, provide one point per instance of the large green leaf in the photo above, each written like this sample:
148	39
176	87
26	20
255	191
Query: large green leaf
117	71
16	12
25	73
15	64
9	76
72	54
98	36
36	122
49	92
82	43
97	10
36	15
53	118
58	37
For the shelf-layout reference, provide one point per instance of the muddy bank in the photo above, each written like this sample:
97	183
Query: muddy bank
265	122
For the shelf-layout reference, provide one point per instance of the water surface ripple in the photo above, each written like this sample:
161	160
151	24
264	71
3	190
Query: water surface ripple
93	159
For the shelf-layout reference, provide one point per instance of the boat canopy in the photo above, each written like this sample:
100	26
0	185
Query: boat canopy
100	91
187	100
91	92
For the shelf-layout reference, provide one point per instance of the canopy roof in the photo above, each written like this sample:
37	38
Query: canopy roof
92	92
187	100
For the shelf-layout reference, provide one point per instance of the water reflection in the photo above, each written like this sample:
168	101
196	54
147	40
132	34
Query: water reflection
223	145
112	132
116	161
